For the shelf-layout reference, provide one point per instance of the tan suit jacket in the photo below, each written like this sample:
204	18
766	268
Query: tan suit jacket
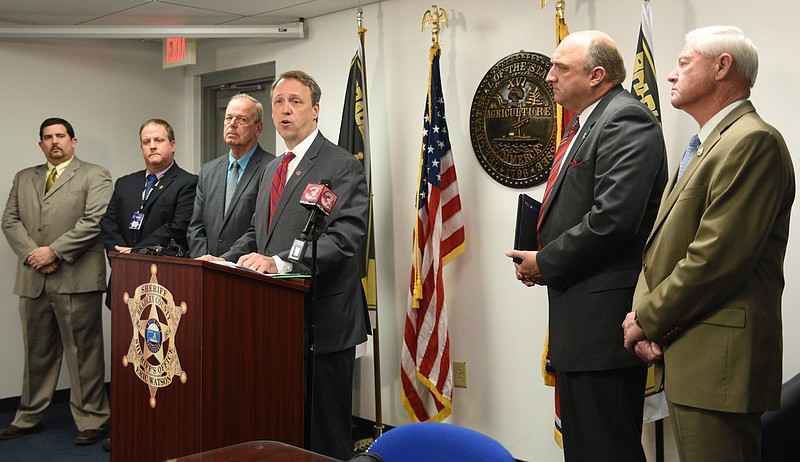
712	275
67	219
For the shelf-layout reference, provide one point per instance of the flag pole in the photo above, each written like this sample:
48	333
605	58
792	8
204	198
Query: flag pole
376	350
426	369
562	117
363	444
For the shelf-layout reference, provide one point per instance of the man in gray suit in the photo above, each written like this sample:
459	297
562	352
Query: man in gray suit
226	191
52	222
340	307
599	207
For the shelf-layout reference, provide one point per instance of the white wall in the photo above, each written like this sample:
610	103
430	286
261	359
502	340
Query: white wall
105	92
496	324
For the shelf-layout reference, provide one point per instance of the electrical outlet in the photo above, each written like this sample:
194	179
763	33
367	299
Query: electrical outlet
460	374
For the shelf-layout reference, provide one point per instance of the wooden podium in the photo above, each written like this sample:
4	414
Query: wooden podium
202	356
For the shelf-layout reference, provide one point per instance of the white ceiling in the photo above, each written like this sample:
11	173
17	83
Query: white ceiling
167	12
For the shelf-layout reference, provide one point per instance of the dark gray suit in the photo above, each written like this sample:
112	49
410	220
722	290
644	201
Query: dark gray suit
603	205
340	307
210	230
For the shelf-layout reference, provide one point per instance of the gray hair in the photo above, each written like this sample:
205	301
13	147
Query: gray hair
713	41
259	106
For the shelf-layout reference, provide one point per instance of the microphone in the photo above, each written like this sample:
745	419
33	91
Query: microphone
319	200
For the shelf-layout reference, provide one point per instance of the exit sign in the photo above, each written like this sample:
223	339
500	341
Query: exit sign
178	52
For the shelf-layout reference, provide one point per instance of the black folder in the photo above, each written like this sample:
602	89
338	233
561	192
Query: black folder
527	217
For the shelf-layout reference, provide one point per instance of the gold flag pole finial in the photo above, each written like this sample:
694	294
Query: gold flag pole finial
560	6
438	16
360	16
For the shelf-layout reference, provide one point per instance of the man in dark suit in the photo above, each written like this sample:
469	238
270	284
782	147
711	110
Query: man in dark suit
599	207
226	192
52	222
154	205
709	294
340	308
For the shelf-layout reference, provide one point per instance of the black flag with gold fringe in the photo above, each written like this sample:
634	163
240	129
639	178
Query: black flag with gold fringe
354	136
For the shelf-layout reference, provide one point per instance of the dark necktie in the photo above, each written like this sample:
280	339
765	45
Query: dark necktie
278	183
557	161
691	150
233	180
151	181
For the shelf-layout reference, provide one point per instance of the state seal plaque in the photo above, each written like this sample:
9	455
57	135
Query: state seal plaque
513	120
155	319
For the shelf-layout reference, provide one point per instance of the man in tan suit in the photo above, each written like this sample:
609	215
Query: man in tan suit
708	300
52	222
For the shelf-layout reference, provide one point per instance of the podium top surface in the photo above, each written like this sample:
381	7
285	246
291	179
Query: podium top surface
302	284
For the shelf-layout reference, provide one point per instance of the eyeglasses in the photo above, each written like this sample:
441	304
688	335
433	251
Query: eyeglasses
241	120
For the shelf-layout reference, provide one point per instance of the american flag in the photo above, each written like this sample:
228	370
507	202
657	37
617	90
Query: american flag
426	372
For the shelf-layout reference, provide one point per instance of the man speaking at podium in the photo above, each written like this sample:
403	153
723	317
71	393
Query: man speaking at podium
340	308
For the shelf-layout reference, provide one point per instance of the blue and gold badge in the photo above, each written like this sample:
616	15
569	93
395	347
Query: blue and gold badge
155	319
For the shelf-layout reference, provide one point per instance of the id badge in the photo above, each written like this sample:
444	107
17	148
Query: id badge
136	220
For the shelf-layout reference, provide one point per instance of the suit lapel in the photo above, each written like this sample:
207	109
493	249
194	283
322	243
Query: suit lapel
583	133
674	186
65	177
296	179
247	176
159	188
39	180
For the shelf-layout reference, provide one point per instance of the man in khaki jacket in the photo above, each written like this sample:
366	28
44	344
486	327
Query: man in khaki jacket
52	222
709	294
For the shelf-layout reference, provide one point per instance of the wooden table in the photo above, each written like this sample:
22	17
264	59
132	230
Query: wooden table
256	451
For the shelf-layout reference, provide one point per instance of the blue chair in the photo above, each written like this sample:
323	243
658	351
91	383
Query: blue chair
440	442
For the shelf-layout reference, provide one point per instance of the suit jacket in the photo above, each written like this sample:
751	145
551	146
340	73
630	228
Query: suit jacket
602	207
340	308
210	230
712	276
66	218
167	210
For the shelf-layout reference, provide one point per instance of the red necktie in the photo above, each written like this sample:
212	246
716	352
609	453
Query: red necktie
557	160
278	183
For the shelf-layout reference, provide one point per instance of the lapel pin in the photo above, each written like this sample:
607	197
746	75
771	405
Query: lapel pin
700	151
297	172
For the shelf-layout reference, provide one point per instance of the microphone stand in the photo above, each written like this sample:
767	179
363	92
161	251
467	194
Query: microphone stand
314	232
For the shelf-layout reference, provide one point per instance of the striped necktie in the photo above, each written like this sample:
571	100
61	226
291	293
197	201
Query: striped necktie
554	171
278	183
